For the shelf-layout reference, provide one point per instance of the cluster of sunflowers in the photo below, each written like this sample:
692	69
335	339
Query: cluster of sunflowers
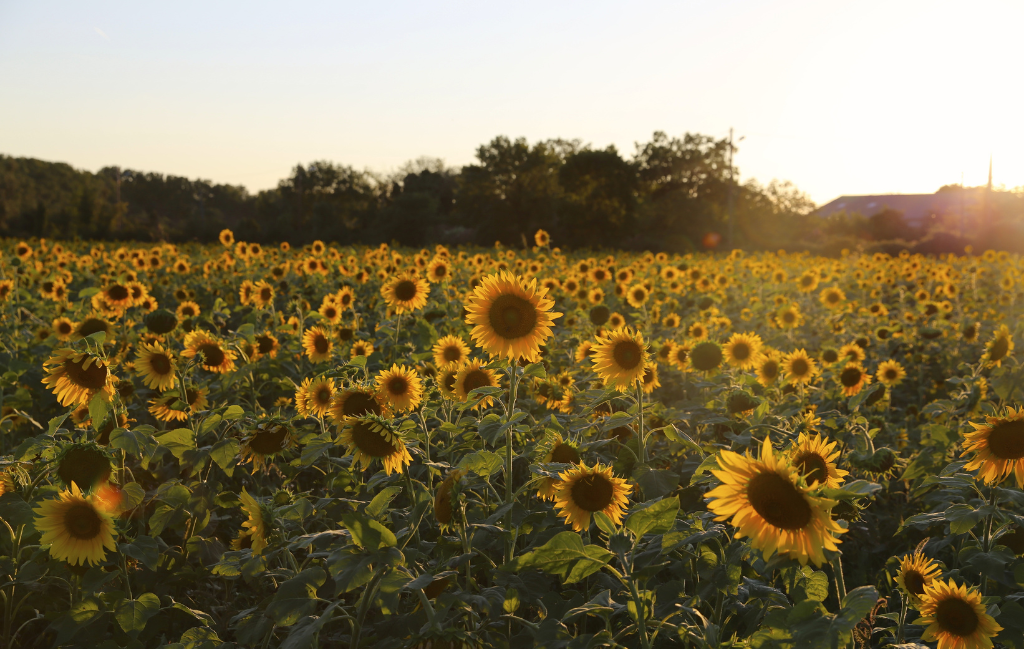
340	446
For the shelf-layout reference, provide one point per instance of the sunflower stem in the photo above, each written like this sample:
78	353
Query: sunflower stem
509	548
837	568
642	441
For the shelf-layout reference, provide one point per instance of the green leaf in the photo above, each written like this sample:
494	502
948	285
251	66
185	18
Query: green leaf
178	441
78	618
55	423
482	463
535	370
605	523
200	637
87	292
655	517
144	549
368	533
233	412
209	423
380	502
135	443
655	483
99	337
295	598
225	454
304	631
566	556
492	429
962	518
98	409
132	614
857	604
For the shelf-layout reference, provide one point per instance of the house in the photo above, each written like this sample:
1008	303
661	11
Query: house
918	209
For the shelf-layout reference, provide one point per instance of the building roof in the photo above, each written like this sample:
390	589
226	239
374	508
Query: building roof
916	208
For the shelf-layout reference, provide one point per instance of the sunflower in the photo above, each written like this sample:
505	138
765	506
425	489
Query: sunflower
405	292
226	237
916	572
269	438
76	527
93	324
163	407
117	296
542	238
616	321
768	368
1000	347
446	380
637	295
443	498
998	447
353	402
76	377
799	367
187	309
85	464
450	349
619	359
955	617
6	288
262	294
216	358
369	437
582	491
767	504
318	344
156	366
439	270
510	317
789	317
706	356
361	348
852	352
852	379
561	452
400	388
313	397
698	331
266	345
742	350
258	524
890	373
832	297
815	461
680	356
473	375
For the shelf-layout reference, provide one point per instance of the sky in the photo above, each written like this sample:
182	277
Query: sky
838	97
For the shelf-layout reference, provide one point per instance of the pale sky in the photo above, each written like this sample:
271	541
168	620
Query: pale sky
838	97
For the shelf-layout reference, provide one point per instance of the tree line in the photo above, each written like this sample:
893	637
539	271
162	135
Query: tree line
672	193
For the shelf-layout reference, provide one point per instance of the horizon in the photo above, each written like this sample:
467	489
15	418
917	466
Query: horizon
839	100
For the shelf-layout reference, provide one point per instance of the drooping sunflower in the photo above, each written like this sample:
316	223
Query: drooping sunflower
443	498
999	348
741	350
400	388
313	397
164	407
217	358
511	318
473	375
620	357
76	377
799	367
764	500
317	344
269	438
581	491
815	460
559	451
651	382
93	324
998	447
258	525
852	379
156	366
955	617
706	356
370	437
405	292
916	572
450	349
76	527
890	373
85	464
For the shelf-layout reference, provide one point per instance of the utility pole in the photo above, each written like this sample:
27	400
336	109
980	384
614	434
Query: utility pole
961	203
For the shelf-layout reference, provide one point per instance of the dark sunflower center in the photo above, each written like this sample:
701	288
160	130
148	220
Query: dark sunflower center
565	454
452	353
265	344
212	353
64	328
92	378
330	313
512	316
706	356
187	310
850	377
359	350
449	381
639	295
830	356
914	581
90	326
1006	441
1000	346
956	616
799	367
627	354
891	374
599	315
648	376
592	493
267	442
320	344
370	441
345	334
475	379
440	271
788	317
778	501
322	395
812	467
770	370
82	521
360	403
265	294
833	298
405	290
741	351
118	292
397	385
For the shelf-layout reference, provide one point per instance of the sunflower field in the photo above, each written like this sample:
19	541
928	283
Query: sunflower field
246	446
